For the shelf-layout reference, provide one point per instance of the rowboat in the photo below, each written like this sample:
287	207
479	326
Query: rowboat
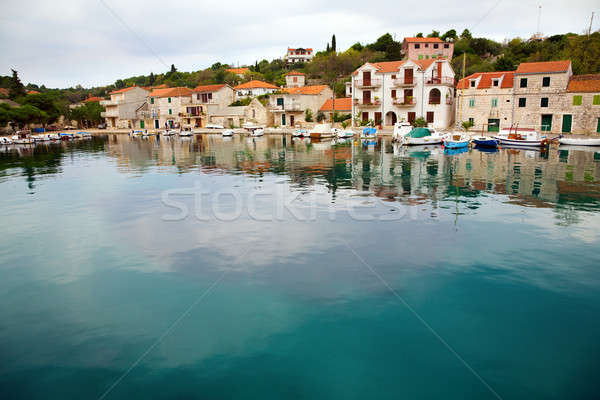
420	136
5	140
456	141
300	133
170	132
579	141
485	141
186	133
228	132
258	132
320	131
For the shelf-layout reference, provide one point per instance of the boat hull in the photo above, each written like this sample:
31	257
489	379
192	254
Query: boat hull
520	143
421	141
491	143
579	142
456	145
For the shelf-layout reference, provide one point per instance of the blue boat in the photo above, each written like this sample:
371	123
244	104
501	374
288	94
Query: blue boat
455	151
368	132
456	141
485	141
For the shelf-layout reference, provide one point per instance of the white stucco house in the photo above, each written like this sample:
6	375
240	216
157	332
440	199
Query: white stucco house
254	88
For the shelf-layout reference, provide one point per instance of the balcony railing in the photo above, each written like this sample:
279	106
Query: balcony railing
404	82
444	80
405	102
286	107
365	83
108	103
371	103
207	101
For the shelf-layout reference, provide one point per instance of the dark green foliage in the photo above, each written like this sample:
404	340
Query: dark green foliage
420	123
434	34
333	44
320	116
387	45
15	88
308	115
420	34
451	34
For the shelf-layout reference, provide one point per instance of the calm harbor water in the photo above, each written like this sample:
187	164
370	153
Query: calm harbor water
279	268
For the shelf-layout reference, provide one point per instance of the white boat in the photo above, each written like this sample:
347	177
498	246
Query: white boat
456	140
300	133
321	131
345	133
85	135
579	141
170	132
16	139
5	140
214	126
186	133
521	137
258	132
401	129
422	136
228	132
136	133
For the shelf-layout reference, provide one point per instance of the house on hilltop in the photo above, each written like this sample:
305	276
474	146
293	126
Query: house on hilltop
418	48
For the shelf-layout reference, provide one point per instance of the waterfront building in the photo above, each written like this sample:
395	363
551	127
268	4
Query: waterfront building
166	106
392	91
207	100
545	96
419	48
254	113
289	107
298	55
254	88
121	109
295	79
343	105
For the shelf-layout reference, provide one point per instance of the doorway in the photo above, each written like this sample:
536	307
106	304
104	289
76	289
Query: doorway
366	78
546	122
156	124
390	118
493	125
142	125
283	119
566	123
411	117
291	120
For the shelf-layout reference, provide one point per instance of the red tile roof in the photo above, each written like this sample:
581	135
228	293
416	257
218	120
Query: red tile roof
127	89
305	89
307	49
254	84
543	67
93	98
209	88
341	104
171	92
424	64
295	73
486	80
33	92
163	86
240	71
585	83
424	39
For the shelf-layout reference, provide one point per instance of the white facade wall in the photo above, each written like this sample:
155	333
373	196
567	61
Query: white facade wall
254	92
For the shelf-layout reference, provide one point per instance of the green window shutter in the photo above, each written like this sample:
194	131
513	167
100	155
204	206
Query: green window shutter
170	111
494	102
577	100
471	102
169	99
596	100
598	127
151	100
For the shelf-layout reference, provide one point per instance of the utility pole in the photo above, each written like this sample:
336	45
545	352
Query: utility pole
462	90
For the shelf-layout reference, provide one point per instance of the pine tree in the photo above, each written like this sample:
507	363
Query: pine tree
328	48
152	79
173	69
333	45
16	88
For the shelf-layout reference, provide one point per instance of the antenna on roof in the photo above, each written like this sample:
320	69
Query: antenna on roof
590	28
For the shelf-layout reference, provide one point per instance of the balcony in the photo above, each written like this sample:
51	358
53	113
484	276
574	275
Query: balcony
444	80
108	103
149	114
205	101
110	114
409	102
286	108
368	83
404	82
365	104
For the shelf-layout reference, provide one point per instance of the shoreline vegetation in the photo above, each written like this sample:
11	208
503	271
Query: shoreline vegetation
32	103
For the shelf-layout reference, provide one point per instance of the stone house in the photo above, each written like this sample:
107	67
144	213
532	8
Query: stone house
165	106
289	107
392	91
121	109
207	100
253	88
541	95
295	79
236	116
415	48
343	105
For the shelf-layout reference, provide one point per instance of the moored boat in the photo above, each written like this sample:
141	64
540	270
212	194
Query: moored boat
186	133
579	141
5	140
345	133
485	141
320	131
420	136
521	138
258	132
228	132
368	133
169	132
456	141
401	129
300	133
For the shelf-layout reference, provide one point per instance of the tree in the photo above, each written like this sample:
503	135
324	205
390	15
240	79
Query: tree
27	114
387	44
152	79
357	46
466	34
434	34
45	102
420	123
420	34
328	49
119	84
451	34
333	44
173	69
308	115
16	88
5	114
504	63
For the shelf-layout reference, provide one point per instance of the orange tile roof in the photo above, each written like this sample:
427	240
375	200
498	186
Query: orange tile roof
238	70
486	80
164	85
341	104
33	92
424	39
305	89
295	73
254	84
171	92
542	67
127	89
93	98
585	83
424	64
209	88
299	48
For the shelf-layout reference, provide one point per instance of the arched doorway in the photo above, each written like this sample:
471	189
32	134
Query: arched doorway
435	96
390	118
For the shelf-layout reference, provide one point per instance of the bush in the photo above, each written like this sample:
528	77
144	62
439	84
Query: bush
320	116
340	117
308	115
467	125
242	102
420	123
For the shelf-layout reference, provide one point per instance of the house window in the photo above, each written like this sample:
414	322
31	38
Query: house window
522	101
544	102
295	79
577	100
494	102
496	82
426	45
546	81
435	46
393	94
170	112
523	82
446	46
596	101
169	99
473	83
151	100
471	102
430	117
393	76
417	46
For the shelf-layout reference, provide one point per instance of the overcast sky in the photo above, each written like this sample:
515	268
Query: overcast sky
62	43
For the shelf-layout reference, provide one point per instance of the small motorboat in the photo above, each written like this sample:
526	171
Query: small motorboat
52	136
170	132
214	126
579	141
485	141
401	129
186	133
320	131
66	136
300	133
521	138
258	132
456	141
136	133
21	139
85	135
345	133
421	136
5	140
228	132
368	133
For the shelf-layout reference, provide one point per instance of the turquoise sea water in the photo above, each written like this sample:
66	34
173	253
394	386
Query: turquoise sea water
279	268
